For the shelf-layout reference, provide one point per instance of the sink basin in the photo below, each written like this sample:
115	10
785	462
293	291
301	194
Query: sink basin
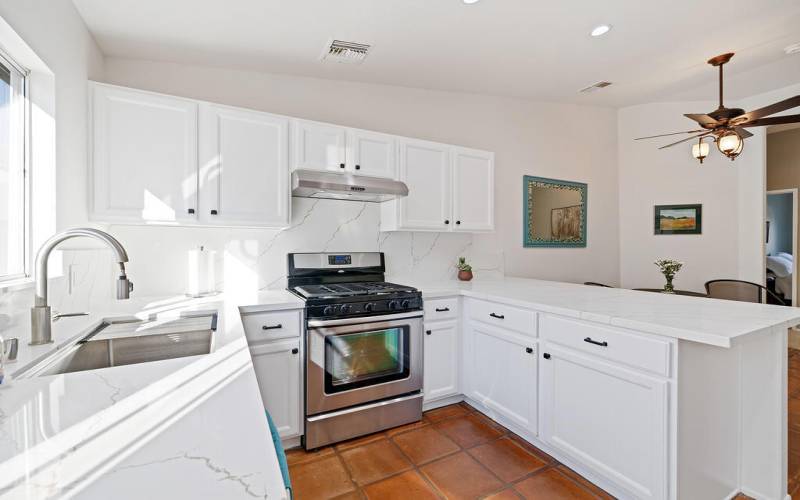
126	342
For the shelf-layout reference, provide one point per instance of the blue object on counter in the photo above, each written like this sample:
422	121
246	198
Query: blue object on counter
276	440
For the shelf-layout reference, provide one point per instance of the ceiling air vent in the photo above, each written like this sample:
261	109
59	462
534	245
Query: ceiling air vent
594	87
345	52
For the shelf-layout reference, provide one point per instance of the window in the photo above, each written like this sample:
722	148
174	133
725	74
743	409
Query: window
13	183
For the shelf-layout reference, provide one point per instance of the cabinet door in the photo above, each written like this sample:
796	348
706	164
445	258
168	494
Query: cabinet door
277	367
144	160
502	373
425	168
318	146
371	153
441	360
244	167
473	190
611	419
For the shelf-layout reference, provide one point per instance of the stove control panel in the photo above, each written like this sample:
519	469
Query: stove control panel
370	307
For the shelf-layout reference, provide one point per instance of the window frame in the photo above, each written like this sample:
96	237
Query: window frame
22	74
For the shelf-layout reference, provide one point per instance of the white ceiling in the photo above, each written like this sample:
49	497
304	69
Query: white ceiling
521	48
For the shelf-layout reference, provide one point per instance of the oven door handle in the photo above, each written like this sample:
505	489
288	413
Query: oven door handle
318	323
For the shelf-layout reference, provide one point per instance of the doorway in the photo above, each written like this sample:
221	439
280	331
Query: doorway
780	240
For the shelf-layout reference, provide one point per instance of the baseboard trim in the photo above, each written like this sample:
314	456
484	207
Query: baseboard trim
438	403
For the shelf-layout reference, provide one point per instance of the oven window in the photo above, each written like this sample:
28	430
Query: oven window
359	359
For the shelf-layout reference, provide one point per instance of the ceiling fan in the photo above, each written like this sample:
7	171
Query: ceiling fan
726	126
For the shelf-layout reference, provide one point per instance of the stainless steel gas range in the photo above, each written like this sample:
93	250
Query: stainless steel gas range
363	366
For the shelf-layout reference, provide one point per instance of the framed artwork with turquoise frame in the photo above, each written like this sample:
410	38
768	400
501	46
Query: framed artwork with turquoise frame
554	213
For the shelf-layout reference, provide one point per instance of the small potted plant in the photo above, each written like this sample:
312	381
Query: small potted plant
464	269
668	268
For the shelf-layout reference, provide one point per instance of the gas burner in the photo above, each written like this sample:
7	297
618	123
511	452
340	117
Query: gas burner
349	289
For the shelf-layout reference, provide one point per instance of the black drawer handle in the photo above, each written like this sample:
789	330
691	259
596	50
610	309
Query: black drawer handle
191	210
458	223
447	222
295	350
213	212
498	316
546	356
601	344
442	309
273	327
427	332
358	167
529	350
341	165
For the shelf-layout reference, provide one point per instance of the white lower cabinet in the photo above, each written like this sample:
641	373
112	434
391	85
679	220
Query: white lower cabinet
277	366
500	368
441	352
611	419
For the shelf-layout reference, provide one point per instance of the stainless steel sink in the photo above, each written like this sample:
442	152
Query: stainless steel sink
127	342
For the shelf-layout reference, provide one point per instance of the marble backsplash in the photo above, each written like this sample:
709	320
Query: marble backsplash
247	259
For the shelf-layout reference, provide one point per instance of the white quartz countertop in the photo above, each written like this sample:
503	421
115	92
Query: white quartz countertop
697	319
191	427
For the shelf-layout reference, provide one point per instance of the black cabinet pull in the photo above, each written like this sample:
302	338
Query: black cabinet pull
601	344
191	210
358	167
498	316
295	350
341	165
427	332
442	309
273	327
447	221
458	223
546	356
213	212
529	350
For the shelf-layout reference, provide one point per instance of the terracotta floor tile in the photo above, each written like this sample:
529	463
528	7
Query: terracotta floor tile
584	482
508	460
353	495
299	455
320	479
402	487
352	443
408	427
461	476
508	494
445	412
374	461
551	485
424	445
532	449
469	430
467	406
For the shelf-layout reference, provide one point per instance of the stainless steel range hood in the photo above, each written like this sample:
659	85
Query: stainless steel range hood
345	186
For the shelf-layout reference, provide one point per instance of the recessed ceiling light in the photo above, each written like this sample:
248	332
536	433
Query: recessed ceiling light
470	2
601	30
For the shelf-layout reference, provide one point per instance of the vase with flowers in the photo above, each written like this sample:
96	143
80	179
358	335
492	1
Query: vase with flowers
668	268
464	269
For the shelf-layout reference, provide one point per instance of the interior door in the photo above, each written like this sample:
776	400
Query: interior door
508	387
244	167
473	190
277	367
425	168
441	360
612	419
371	153
318	146
144	160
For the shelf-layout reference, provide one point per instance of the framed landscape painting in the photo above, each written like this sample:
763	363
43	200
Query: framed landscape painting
678	219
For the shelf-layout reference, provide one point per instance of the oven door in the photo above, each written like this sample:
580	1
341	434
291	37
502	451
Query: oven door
354	361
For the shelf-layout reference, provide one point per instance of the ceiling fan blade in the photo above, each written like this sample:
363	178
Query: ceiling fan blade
744	134
704	120
775	120
672	133
777	107
687	139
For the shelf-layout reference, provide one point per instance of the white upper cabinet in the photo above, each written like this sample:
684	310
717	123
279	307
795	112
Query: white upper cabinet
144	156
319	146
244	167
371	153
473	190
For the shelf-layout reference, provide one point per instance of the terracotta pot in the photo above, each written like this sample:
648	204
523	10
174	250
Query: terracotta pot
465	275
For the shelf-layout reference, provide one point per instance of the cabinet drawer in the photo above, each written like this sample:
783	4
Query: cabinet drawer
510	317
260	327
436	309
639	351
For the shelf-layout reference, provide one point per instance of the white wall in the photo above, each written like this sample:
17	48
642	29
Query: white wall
569	142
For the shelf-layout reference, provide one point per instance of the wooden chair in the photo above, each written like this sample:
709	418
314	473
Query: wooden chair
743	291
592	283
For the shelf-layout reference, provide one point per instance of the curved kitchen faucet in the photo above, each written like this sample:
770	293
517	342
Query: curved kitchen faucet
40	312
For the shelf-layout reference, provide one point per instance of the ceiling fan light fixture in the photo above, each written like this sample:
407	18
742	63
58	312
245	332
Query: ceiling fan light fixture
700	150
730	143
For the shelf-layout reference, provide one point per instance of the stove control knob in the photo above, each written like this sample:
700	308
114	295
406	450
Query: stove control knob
405	304
327	311
346	308
369	307
393	305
